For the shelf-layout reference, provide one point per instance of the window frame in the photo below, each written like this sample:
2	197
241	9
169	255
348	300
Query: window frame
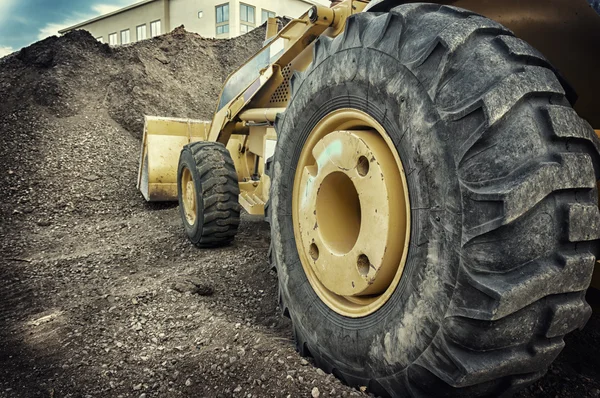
222	28
128	32
250	25
116	36
153	23
268	13
100	39
137	32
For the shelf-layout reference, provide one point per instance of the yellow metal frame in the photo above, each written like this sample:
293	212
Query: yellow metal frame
295	37
245	124
161	144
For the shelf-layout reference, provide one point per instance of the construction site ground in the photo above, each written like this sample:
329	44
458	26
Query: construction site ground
101	295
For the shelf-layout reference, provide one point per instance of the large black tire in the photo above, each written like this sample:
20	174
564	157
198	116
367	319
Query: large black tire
502	180
217	191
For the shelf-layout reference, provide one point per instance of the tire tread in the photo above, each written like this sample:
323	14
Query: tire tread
219	186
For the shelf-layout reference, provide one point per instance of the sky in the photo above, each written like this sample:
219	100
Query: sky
23	22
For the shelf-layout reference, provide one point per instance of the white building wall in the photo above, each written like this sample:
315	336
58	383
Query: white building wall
235	18
130	19
174	13
185	12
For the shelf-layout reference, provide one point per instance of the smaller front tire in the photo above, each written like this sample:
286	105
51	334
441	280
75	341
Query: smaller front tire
208	193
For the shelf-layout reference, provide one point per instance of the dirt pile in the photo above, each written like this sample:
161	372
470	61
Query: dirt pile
179	74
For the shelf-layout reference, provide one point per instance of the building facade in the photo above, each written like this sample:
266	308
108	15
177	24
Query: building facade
210	18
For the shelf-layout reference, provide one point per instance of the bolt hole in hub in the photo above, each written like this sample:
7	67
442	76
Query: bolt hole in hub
351	213
363	265
314	252
363	166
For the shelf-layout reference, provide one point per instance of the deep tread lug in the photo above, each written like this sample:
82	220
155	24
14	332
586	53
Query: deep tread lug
218	185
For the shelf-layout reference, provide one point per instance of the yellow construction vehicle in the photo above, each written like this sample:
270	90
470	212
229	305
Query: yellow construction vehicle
432	192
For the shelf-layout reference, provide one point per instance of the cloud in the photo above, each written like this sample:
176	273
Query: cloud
52	29
102	9
5	50
98	9
5	7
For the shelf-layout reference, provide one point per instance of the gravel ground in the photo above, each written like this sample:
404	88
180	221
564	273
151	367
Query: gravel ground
101	295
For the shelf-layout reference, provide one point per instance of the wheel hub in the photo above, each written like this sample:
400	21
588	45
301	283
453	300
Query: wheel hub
189	196
350	213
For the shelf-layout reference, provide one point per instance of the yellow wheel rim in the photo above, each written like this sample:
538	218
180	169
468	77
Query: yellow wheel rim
351	213
188	196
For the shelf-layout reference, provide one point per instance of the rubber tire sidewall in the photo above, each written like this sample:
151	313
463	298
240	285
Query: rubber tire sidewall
391	339
193	232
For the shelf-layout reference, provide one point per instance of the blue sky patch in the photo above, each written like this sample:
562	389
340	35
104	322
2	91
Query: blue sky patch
23	22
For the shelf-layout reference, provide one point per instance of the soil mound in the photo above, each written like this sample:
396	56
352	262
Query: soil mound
179	74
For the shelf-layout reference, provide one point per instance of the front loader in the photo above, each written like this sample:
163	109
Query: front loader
429	172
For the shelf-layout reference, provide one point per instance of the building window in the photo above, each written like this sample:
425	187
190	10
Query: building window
141	32
125	36
200	14
112	39
100	39
266	14
247	18
223	29
222	13
155	28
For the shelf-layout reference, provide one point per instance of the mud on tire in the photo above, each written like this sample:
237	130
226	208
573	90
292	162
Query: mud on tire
216	188
502	178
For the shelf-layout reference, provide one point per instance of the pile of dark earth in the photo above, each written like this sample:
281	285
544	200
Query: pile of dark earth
101	295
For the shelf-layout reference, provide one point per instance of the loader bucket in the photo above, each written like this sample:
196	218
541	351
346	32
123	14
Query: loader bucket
161	144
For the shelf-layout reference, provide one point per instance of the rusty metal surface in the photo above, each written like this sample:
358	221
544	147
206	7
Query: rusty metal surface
567	32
